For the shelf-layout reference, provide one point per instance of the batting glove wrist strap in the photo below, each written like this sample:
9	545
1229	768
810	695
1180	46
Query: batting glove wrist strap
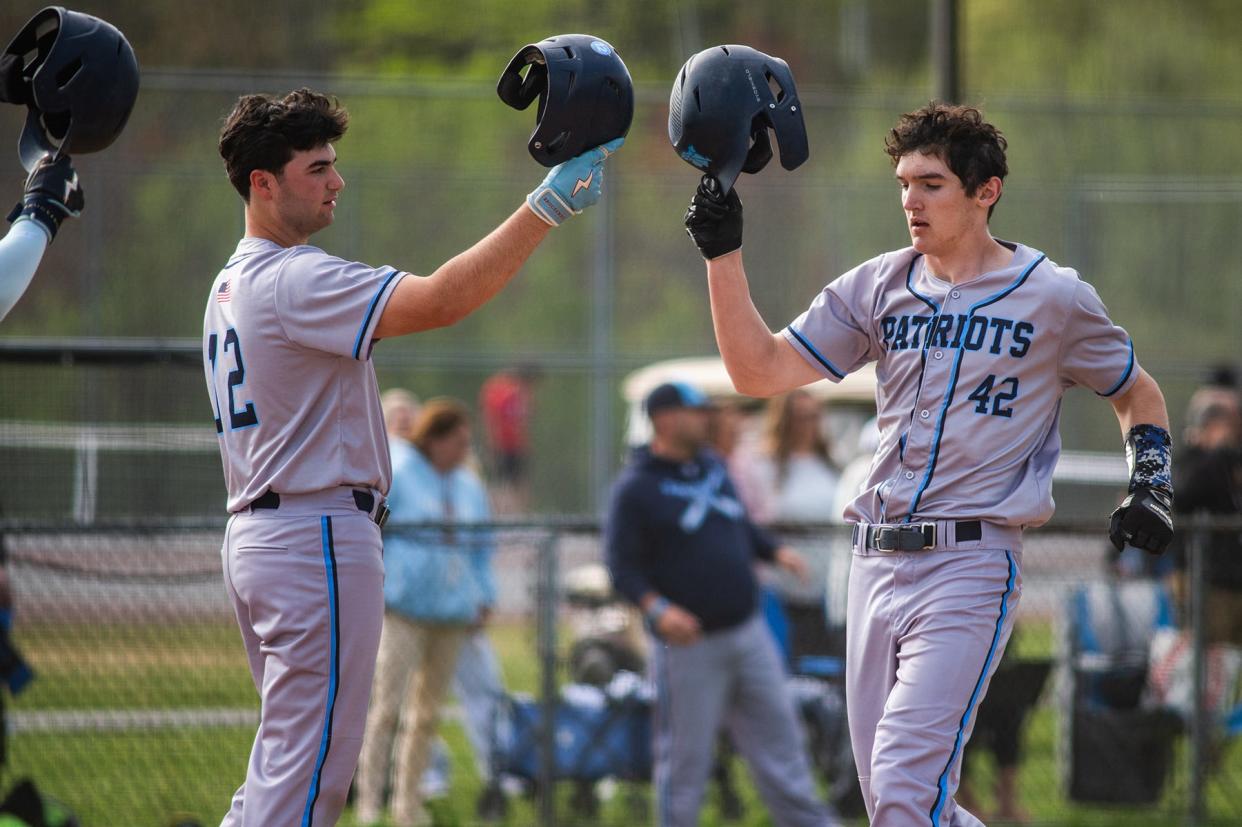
52	195
548	205
571	187
714	221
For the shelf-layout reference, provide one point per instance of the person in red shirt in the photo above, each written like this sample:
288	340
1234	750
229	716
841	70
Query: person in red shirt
506	403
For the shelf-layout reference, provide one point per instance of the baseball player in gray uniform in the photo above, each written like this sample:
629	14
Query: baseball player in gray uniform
975	340
287	341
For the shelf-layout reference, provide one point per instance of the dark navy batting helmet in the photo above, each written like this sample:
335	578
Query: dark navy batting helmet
79	78
586	97
724	101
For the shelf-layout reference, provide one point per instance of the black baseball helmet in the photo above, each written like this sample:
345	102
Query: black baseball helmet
78	76
586	97
724	101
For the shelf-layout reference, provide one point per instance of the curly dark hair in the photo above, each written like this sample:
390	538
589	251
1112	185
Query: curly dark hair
263	132
973	148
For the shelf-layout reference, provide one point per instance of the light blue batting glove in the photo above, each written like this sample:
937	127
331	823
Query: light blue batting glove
573	186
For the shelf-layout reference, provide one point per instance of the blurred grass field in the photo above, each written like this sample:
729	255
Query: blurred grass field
143	777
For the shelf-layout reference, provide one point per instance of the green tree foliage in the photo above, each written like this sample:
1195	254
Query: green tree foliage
1122	117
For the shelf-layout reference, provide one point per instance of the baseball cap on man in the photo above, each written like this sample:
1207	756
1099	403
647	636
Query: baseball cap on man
675	395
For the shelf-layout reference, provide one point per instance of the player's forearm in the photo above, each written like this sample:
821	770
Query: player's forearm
465	282
1143	404
20	253
470	279
745	342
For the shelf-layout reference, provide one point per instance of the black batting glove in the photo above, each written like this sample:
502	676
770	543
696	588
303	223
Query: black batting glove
713	221
1145	517
52	195
1143	520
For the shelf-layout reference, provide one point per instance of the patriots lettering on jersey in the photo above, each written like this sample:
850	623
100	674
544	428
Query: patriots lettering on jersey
994	334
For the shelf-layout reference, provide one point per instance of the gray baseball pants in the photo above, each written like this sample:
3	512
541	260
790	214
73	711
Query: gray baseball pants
926	631
307	585
734	677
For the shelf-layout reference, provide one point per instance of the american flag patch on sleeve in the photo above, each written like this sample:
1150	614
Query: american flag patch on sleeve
224	292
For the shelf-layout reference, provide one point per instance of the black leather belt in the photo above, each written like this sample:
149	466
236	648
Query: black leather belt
365	501
918	536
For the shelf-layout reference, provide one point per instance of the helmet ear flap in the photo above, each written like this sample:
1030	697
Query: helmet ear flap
760	151
520	91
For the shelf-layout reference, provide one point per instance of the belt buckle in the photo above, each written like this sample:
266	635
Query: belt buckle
885	538
381	515
915	537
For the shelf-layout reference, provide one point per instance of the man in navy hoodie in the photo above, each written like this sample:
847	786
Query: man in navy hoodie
681	547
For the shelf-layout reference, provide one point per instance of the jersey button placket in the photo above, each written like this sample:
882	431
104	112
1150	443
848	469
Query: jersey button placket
922	434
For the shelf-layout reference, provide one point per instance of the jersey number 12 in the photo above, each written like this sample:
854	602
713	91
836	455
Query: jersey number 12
237	377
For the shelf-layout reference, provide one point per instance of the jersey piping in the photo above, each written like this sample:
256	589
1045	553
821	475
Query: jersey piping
1124	376
334	669
948	399
942	783
819	357
366	322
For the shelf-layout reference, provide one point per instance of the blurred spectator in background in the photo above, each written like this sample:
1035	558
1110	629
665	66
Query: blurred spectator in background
725	425
1209	479
793	478
438	586
854	477
400	410
999	725
680	546
506	401
478	686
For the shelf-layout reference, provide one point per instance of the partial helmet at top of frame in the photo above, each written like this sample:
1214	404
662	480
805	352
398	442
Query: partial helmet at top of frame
78	77
586	97
723	104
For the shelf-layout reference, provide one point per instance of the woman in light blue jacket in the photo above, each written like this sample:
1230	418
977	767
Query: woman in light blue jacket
438	586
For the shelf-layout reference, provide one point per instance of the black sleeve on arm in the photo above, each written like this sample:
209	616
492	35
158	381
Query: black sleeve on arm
624	546
765	544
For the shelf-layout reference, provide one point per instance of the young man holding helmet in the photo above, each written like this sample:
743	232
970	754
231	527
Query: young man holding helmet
301	430
975	340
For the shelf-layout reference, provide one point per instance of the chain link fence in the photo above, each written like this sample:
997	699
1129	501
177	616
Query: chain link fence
432	164
142	706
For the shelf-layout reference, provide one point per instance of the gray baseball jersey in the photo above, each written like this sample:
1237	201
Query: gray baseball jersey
969	379
287	341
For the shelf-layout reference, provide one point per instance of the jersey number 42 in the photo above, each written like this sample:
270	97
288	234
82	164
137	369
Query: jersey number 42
997	393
